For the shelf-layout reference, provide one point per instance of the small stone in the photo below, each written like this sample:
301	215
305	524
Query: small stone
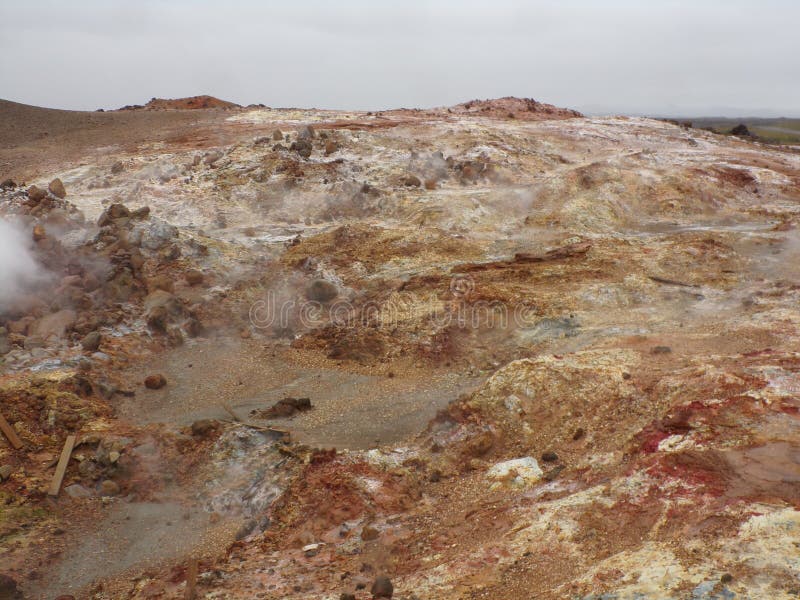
91	341
330	147
109	488
321	290
38	233
277	135
113	456
203	427
430	184
661	350
155	382
7	184
194	277
549	456
412	181
117	168
306	133
382	587
5	472
312	549
369	534
726	578
346	596
302	147
56	188
36	193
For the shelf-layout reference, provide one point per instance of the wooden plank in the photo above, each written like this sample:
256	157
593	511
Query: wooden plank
9	432
55	486
191	580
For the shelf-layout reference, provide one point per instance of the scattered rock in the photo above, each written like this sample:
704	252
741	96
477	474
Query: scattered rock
115	211
287	407
141	213
36	194
117	168
194	277
549	456
369	533
321	290
330	147
7	184
382	587
5	472
412	181
579	434
346	596
203	427
78	491
302	147
39	233
726	578
109	488
56	188
430	184
306	133
312	549
277	135
91	341
741	130
661	350
155	382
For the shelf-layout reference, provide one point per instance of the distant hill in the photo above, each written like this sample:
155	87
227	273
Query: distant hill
191	103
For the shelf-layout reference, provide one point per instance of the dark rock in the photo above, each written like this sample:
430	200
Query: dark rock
412	181
330	147
277	135
549	456
9	589
321	290
302	147
579	434
203	427
117	168
7	184
741	130
382	587
5	472
346	596
155	382
306	133
726	578
660	350
57	188
91	341
287	407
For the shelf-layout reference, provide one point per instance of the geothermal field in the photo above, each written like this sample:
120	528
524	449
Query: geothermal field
497	350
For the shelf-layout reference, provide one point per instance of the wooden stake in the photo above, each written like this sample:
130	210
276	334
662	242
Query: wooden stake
9	432
55	486
191	581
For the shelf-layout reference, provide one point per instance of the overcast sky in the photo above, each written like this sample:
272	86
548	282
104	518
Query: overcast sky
647	56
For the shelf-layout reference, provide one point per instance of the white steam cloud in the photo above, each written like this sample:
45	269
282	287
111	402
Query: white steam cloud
18	267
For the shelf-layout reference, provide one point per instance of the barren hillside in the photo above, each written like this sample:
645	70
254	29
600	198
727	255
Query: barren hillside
495	350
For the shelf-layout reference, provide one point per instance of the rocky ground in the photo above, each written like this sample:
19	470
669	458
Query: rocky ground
496	350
